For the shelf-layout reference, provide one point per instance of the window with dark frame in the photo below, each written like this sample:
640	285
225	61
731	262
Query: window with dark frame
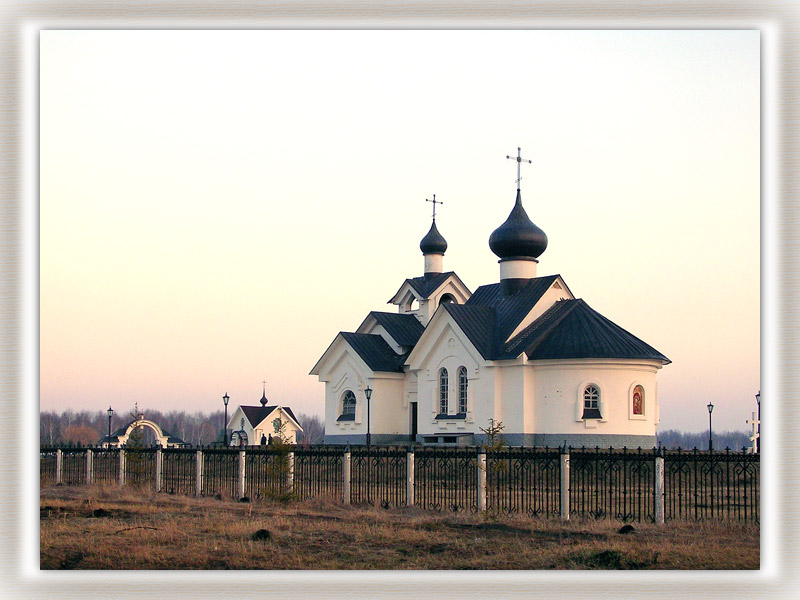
463	382
591	402
443	383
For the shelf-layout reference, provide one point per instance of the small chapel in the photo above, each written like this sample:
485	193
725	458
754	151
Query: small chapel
523	351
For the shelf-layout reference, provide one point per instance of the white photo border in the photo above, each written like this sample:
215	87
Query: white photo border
23	19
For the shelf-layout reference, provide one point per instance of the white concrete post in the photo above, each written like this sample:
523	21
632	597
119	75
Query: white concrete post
410	478
346	477
59	466
241	475
564	484
659	488
481	481
89	468
290	473
121	466
158	469
199	474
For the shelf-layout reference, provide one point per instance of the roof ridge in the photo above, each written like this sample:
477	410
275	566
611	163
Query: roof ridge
548	321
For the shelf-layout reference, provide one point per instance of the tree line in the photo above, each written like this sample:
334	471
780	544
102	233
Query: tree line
87	428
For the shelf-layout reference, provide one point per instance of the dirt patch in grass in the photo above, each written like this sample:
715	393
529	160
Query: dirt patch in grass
161	531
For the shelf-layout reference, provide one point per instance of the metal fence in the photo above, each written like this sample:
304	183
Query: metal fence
626	485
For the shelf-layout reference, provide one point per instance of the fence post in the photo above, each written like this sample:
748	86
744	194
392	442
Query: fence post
410	477
346	476
121	466
199	474
481	480
89	458
564	461
290	473
59	466
158	469
659	487
241	474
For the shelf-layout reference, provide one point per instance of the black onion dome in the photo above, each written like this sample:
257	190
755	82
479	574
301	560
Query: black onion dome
433	242
518	236
264	399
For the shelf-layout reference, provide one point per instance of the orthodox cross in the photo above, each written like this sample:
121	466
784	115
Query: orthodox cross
755	423
435	202
265	386
519	160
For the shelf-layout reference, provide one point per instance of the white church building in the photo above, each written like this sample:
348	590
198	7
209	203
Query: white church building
524	352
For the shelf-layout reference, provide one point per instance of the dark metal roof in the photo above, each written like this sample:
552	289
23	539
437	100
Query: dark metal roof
429	283
572	329
374	350
510	310
405	329
518	236
256	414
433	242
477	323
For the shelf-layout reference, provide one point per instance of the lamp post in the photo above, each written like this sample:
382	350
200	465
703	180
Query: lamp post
368	394
758	430
710	408
110	413
225	399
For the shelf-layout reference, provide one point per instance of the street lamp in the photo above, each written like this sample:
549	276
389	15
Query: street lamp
225	399
758	431
710	408
110	413
368	394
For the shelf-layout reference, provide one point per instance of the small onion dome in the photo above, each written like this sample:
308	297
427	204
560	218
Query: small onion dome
263	399
518	236
433	242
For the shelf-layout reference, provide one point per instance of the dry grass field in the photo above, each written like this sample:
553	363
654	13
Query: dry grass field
158	531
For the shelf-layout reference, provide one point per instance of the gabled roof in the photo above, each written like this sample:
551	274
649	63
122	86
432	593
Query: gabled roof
256	414
509	311
404	328
374	351
572	329
427	284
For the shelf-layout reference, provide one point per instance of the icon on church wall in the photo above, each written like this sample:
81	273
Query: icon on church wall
638	394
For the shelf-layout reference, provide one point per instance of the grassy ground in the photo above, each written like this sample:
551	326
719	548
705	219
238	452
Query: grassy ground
161	531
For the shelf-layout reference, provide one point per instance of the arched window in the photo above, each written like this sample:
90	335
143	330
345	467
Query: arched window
463	382
348	412
447	299
443	383
638	400
591	402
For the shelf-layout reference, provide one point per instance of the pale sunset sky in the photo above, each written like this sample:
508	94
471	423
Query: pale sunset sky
216	205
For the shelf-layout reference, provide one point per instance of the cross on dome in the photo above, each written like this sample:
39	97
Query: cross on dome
435	202
519	160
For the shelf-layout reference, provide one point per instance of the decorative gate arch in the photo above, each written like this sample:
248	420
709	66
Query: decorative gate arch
163	438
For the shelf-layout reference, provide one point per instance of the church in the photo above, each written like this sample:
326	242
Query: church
523	352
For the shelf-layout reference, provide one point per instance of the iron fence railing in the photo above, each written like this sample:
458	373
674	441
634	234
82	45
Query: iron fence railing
446	479
702	485
378	476
602	483
318	472
524	481
617	484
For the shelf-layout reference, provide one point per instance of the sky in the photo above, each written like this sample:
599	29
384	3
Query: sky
216	205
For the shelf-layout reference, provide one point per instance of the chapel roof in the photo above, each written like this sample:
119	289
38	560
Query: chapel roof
404	328
256	414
